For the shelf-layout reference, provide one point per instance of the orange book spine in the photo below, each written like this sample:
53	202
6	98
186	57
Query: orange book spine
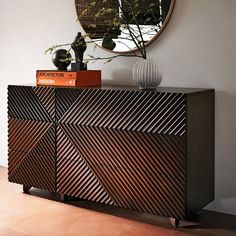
55	74
56	81
68	78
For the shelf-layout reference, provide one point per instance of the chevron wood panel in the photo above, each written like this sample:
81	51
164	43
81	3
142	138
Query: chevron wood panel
47	98
14	160
24	103
118	131
131	110
143	191
139	170
129	149
24	135
32	153
74	177
46	146
33	171
64	100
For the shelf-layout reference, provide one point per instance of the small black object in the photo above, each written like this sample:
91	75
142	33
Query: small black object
26	189
108	42
77	66
79	46
61	59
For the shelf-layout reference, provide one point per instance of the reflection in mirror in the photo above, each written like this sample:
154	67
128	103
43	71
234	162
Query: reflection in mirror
123	25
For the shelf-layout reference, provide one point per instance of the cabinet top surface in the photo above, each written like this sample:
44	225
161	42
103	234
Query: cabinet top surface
134	88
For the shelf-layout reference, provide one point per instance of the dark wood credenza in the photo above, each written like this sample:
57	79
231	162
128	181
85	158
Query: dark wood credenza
150	151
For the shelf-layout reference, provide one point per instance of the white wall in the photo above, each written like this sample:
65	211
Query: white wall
198	49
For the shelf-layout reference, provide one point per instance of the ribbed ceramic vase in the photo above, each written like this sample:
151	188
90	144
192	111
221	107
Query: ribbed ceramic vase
146	74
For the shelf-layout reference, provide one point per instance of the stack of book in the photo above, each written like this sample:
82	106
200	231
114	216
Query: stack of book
68	78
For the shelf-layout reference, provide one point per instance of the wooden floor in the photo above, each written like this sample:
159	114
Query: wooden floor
42	213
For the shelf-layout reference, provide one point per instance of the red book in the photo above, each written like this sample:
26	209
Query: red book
68	78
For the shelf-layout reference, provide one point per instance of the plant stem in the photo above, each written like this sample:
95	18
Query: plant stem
112	57
131	33
140	33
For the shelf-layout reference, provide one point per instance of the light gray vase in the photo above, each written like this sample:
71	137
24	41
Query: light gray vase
146	74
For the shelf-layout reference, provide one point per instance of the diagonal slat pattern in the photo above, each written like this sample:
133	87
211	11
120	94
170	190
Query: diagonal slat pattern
23	103
14	160
34	171
47	97
64	100
129	149
122	147
30	163
46	144
15	156
141	191
74	177
130	110
23	135
140	171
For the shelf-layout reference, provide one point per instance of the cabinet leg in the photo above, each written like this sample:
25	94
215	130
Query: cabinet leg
26	189
174	222
64	197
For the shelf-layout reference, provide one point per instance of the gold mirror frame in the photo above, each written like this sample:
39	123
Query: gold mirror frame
167	19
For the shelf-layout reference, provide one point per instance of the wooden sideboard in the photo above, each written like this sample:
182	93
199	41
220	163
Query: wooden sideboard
150	151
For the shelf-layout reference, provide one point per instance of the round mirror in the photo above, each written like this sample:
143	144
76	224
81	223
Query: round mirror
123	25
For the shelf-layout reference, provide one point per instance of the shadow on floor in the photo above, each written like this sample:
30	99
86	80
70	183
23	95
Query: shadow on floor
203	220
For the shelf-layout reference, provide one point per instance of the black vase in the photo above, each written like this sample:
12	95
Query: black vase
60	59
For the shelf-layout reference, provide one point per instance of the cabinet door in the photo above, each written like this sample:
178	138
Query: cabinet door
31	136
150	192
74	176
139	171
132	142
